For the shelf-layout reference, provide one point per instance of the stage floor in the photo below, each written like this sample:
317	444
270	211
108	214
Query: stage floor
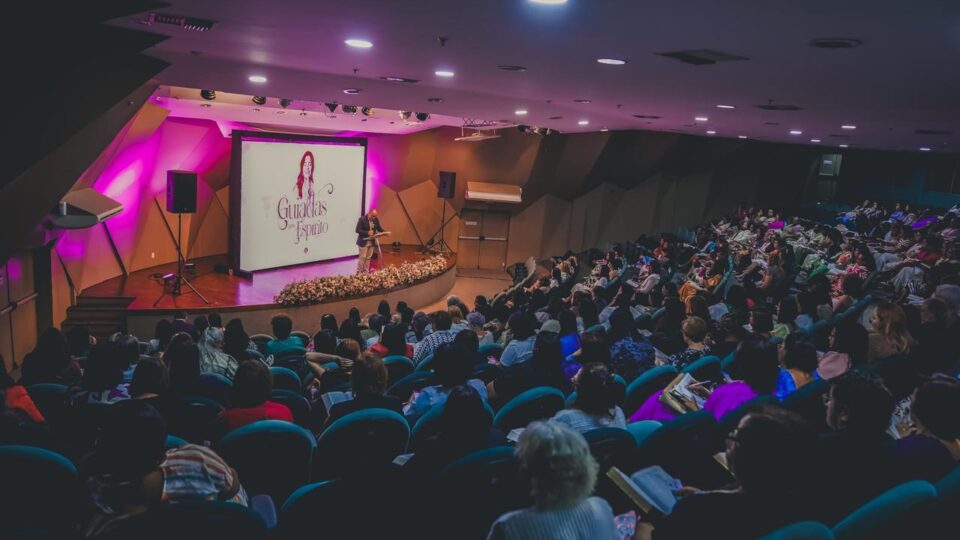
225	291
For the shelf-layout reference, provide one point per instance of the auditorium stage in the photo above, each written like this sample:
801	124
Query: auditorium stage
252	299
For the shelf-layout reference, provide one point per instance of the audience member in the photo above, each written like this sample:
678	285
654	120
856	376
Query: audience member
520	347
368	382
250	398
596	403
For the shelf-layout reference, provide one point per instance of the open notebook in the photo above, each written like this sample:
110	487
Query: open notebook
684	394
332	398
651	489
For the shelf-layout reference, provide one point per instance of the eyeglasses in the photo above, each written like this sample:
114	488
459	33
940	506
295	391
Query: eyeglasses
732	436
826	398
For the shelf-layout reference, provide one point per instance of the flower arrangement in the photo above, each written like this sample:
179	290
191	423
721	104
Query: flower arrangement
313	291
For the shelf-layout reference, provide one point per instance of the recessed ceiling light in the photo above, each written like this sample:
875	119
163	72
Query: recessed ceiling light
583	122
257	79
711	132
582	100
741	136
700	118
844	145
351	91
358	43
443	73
394	78
604	129
611	61
924	149
549	2
814	140
726	107
205	105
796	132
520	112
848	126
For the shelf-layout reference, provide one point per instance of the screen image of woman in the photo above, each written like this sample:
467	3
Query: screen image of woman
306	174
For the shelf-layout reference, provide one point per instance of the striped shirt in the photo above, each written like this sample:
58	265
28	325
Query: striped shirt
592	519
430	343
196	472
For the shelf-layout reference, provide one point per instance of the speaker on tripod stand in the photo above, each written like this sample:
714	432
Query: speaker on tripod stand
181	199
446	189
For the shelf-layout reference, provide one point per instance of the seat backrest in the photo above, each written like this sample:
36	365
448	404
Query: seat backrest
50	399
398	367
646	385
804	530
642	429
216	387
261	340
706	368
272	457
426	364
491	350
414	381
285	379
619	389
680	446
807	401
429	425
304	337
885	511
41	493
612	447
298	405
195	419
360	441
534	404
194	519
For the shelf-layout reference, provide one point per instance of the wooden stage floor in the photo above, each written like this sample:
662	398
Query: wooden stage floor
225	291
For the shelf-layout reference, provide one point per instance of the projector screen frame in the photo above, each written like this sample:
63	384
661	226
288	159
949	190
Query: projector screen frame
235	181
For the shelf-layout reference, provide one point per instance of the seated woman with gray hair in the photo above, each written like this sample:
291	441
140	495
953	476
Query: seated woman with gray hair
562	473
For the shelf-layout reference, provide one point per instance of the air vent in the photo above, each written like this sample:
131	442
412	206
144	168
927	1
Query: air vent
933	132
839	135
836	43
392	78
771	123
701	57
778	107
435	100
507	67
555	118
647	116
187	23
582	101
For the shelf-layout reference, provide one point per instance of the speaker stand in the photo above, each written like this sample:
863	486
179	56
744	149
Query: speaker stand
179	280
442	246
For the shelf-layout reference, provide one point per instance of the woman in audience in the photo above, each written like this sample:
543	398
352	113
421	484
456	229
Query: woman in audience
568	322
807	308
694	334
338	379
102	380
935	350
183	362
476	320
888	332
668	329
520	348
545	368
131	472
755	370
729	335
481	306
349	329
786	317
250	398
392	342
798	365
236	343
200	323
770	456
933	449
595	406
150	384
329	322
630	353
465	426
79	341
847	349
851	289
856	458
50	361
161	337
761	322
453	367
212	357
562	474
368	382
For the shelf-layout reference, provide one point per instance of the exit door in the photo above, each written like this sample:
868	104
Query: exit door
483	239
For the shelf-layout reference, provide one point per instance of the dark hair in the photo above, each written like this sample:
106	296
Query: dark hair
149	377
349	349
402	306
587	309
621	324
252	384
699	308
383	308
593	349
761	321
377	322
935	405
670	288
548	354
325	341
937	308
179	314
853	285
354	315
852	339
442	320
183	362
215	320
452	364
78	338
48	359
350	330
787	311
595	393
234	323
568	322
162	332
520	325
130	441
800	354
736	298
235	342
329	322
755	363
282	325
766	439
469	340
369	376
865	400
556	274
394	339
807	304
128	350
200	323
464	417
103	370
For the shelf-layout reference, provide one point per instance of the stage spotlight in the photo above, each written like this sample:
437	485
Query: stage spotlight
208	95
423	117
284	102
404	115
332	107
367	111
523	129
349	109
259	100
543	131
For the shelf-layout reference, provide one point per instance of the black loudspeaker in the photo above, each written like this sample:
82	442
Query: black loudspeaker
181	192
448	185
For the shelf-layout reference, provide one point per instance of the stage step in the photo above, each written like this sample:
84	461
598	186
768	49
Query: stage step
100	315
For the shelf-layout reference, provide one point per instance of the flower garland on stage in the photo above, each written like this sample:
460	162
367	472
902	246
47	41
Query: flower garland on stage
316	290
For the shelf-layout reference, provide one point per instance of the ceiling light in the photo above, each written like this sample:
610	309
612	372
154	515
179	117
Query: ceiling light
332	107
443	73
844	145
349	109
796	132
741	136
359	43
285	102
404	115
257	79
726	107
583	122
422	116
711	132
611	61
549	2
394	78
848	126
582	100
700	118
520	112
259	100
924	149
208	95
604	129
814	140
351	91
367	111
